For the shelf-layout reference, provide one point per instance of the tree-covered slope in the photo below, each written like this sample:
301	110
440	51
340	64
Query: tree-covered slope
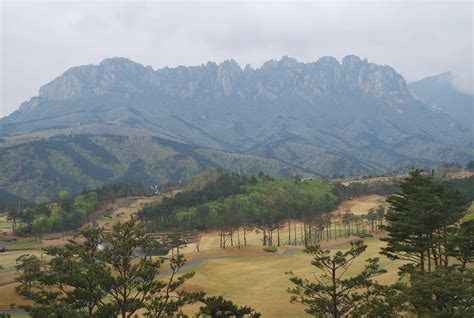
35	168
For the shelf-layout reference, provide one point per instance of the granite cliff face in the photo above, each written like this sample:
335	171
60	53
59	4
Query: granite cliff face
122	77
326	117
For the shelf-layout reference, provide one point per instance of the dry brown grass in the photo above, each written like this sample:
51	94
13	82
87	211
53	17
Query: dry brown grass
361	205
261	283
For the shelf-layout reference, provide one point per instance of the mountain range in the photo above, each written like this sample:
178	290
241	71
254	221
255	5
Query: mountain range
326	117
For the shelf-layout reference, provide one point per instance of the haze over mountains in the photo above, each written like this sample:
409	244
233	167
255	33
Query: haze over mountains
440	91
321	118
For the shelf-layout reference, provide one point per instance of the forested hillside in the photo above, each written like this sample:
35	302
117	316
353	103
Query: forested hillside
36	169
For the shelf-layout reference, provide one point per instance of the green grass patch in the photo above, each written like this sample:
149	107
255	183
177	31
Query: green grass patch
21	244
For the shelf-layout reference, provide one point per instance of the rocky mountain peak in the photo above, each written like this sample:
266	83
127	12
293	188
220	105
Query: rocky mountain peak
121	77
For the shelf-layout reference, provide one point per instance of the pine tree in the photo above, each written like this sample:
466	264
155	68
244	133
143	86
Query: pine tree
332	293
82	280
418	221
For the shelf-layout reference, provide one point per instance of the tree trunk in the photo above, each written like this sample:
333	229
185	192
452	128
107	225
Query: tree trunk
238	238
305	235
289	232
335	311
278	235
294	231
302	232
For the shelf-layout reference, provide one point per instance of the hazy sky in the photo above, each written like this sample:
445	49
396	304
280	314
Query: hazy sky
40	40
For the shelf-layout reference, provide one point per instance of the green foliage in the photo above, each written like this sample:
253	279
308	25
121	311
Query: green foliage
460	244
67	214
270	249
419	218
82	280
332	293
219	307
228	201
78	162
445	292
465	186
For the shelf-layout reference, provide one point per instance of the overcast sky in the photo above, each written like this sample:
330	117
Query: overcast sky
40	40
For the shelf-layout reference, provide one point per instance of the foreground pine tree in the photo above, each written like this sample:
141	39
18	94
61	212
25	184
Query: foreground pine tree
84	280
419	220
332	294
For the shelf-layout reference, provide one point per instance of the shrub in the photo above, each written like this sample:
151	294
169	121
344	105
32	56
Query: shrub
270	249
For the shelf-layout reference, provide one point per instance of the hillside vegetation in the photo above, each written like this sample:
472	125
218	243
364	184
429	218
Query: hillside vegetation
37	169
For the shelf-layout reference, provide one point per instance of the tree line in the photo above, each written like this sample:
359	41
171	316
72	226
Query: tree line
243	203
66	211
234	204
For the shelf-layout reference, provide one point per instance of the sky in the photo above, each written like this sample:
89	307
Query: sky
40	40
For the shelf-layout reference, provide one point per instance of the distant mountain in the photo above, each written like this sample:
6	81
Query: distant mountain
36	168
440	92
323	118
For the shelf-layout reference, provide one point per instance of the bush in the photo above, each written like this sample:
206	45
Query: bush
270	249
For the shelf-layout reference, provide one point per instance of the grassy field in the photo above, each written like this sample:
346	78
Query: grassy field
261	282
361	205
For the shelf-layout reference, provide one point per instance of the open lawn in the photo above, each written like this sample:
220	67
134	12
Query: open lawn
261	282
361	205
21	244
